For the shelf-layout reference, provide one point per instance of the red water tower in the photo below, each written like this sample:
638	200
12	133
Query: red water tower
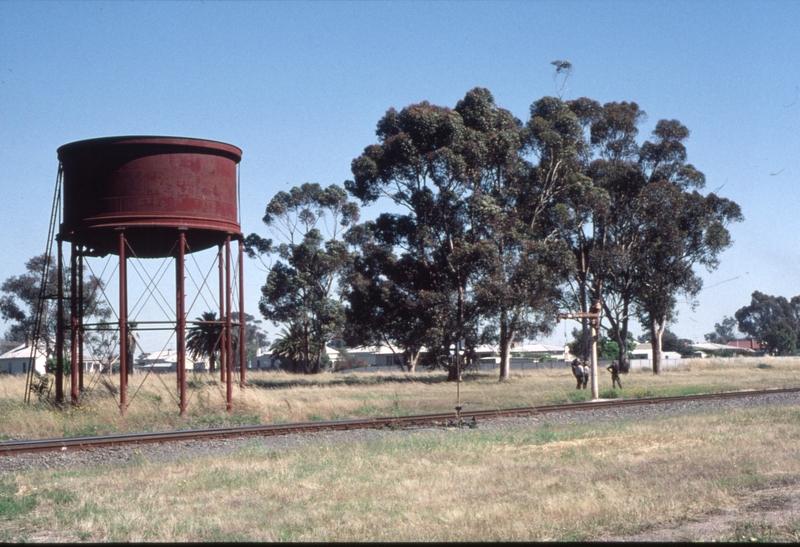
143	197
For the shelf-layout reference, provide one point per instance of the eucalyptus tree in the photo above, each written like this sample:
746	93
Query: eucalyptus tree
524	263
616	243
679	228
301	287
772	320
391	300
724	331
572	215
255	337
420	163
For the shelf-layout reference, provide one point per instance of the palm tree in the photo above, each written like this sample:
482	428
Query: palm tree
203	338
289	345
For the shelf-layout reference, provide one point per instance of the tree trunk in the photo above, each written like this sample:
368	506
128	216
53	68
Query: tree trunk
452	372
505	343
622	340
619	328
413	357
584	302
315	368
306	350
656	331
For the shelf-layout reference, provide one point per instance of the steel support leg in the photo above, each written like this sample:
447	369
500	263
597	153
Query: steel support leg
123	326
242	332
181	326
60	326
228	326
80	317
73	321
222	345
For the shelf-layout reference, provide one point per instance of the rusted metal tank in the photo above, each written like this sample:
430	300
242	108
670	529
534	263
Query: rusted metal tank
151	187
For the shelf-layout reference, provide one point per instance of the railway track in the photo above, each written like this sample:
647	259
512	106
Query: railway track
448	418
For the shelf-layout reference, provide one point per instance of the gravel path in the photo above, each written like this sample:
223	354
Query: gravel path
166	452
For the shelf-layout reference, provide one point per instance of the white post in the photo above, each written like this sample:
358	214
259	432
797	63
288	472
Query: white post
595	383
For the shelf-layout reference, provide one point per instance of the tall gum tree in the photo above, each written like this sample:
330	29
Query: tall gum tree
302	286
652	226
613	138
525	264
679	228
391	300
573	216
420	163
772	320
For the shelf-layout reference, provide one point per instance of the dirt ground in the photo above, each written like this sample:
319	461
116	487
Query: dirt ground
768	514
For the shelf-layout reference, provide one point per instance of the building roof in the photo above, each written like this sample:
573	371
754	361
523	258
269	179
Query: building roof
380	349
711	347
164	355
23	351
750	344
538	348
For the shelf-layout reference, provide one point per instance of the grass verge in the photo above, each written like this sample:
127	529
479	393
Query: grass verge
550	481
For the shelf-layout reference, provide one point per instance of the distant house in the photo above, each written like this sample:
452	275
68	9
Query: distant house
486	353
746	344
645	351
363	356
160	361
18	360
709	349
539	351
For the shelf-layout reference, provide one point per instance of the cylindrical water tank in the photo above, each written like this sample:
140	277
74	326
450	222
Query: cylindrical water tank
150	187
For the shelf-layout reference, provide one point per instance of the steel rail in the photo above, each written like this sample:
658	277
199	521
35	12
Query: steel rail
11	448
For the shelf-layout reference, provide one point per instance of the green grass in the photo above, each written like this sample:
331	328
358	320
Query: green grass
549	480
13	505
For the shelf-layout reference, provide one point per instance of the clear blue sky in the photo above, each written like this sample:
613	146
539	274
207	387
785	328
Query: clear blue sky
299	87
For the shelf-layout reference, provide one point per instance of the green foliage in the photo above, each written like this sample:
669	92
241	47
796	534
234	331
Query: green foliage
21	297
474	240
255	337
609	351
204	338
724	332
773	321
287	348
498	219
300	287
51	364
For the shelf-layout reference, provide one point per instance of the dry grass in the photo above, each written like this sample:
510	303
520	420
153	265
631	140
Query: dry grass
280	397
548	482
